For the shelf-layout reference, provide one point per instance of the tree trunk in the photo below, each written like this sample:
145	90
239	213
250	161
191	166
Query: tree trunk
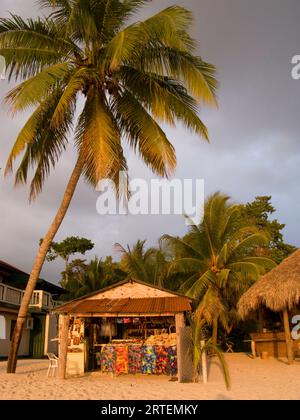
289	343
215	331
38	264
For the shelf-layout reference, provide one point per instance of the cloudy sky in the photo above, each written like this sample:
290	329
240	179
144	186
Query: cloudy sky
254	150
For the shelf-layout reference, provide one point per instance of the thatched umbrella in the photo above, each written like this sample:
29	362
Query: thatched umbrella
278	290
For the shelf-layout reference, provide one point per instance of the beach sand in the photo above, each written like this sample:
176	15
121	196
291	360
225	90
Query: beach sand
251	379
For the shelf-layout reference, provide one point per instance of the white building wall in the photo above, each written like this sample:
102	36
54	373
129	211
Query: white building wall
5	343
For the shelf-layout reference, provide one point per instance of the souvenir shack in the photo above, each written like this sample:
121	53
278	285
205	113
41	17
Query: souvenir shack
128	328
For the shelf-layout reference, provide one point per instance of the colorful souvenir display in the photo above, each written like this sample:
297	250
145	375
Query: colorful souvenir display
121	359
148	364
172	361
134	359
108	359
166	340
161	360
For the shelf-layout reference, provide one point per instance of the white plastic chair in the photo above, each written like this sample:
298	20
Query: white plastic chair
53	363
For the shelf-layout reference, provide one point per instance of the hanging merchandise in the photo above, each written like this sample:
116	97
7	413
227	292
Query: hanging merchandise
148	360
108	359
98	358
161	360
134	359
121	359
172	361
108	329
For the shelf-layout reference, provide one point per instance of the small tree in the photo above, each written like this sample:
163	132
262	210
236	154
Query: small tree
259	213
69	246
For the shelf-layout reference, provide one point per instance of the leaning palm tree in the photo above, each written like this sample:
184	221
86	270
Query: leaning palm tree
81	59
147	265
218	261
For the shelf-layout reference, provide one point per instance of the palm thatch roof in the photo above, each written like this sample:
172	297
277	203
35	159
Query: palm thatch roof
277	290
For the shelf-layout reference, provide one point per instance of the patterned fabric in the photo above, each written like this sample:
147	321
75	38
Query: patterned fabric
108	359
98	358
121	359
161	360
172	361
148	360
134	358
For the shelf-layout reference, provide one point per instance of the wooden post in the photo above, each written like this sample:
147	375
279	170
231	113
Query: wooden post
63	345
46	339
179	323
289	343
204	362
253	349
260	320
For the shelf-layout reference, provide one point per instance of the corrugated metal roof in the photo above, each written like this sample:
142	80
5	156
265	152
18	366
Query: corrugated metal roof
127	306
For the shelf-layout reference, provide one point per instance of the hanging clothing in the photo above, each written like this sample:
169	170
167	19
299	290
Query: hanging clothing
161	360
108	329
121	359
98	358
134	359
108	359
148	360
172	361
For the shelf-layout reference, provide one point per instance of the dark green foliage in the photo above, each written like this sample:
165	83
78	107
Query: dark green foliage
83	278
258	213
68	247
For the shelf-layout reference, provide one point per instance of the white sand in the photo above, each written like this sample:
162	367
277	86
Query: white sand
251	379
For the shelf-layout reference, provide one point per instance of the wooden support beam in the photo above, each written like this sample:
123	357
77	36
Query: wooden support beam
64	321
179	323
288	339
253	348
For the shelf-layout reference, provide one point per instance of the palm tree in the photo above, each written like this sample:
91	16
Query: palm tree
218	261
149	266
123	81
81	279
91	279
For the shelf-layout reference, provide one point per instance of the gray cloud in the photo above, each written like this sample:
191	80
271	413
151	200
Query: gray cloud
255	134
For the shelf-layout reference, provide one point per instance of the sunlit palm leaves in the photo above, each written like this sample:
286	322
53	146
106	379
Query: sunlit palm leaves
147	265
129	77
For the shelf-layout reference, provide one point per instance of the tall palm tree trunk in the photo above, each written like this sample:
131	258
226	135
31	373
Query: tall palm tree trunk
38	264
215	331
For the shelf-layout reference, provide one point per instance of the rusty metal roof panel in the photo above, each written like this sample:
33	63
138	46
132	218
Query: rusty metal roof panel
128	306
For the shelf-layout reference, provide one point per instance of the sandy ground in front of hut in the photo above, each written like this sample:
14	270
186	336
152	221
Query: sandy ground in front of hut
251	379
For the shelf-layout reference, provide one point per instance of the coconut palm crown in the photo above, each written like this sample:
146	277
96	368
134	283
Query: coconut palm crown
129	77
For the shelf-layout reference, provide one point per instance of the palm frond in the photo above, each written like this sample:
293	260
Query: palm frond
97	138
36	89
144	134
167	27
